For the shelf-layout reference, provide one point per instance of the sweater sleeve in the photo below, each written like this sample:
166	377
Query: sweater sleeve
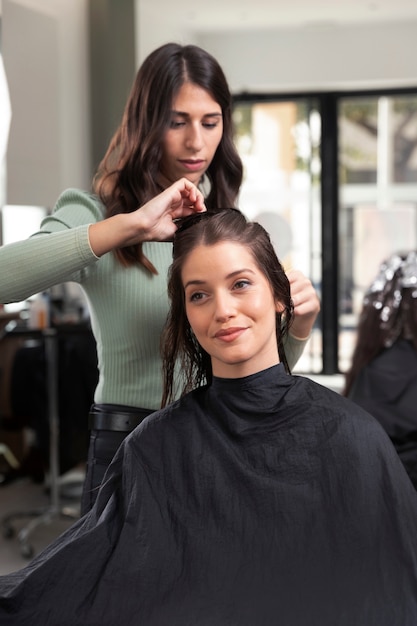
293	349
59	252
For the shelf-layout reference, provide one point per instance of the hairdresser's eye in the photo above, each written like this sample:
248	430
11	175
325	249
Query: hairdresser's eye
210	125
176	124
211	121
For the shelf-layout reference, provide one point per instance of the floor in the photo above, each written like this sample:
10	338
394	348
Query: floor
24	495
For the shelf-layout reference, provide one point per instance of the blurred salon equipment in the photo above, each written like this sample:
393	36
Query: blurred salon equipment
49	364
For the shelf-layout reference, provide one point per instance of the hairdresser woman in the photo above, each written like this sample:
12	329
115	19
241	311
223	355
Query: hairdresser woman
175	135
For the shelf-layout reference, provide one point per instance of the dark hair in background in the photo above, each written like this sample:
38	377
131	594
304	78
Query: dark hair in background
179	345
389	312
127	177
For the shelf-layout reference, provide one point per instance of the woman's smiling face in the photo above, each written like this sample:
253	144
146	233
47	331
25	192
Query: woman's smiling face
231	309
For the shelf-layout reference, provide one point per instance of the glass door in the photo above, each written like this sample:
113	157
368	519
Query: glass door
377	137
279	143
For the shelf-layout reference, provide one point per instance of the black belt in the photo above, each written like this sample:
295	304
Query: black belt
110	420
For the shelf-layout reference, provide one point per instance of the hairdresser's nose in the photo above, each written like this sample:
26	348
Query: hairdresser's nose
194	138
224	307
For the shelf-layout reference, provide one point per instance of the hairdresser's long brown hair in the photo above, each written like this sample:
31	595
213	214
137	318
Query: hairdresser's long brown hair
179	345
128	174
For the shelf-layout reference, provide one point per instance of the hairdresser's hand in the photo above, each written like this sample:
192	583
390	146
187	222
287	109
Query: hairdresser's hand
179	200
306	304
151	222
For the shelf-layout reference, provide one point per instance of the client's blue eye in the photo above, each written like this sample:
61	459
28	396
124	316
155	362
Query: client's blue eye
241	284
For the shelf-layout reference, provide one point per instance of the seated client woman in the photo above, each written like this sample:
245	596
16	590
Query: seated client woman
257	499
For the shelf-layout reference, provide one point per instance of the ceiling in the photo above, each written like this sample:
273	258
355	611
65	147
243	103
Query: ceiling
209	15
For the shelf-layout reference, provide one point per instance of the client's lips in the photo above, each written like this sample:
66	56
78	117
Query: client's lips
229	334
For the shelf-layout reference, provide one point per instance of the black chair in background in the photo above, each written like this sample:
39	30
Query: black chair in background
52	386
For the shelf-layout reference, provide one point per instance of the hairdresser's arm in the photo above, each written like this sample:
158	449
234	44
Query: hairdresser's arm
306	305
58	252
34	265
306	309
73	238
152	222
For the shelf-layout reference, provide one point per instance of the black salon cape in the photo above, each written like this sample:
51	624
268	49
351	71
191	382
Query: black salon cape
262	501
387	388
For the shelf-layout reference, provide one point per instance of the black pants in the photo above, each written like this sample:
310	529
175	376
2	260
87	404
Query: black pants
103	445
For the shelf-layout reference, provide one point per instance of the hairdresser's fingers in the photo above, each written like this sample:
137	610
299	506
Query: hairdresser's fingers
302	289
190	199
151	222
306	303
179	200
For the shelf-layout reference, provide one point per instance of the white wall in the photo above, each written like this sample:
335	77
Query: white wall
323	57
45	53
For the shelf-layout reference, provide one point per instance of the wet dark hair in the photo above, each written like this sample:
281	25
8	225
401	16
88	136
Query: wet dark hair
389	312
128	174
179	345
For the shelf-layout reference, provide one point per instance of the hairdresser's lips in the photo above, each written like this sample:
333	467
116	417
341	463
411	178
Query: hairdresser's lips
193	165
229	334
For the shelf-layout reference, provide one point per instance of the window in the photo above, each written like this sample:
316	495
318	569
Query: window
333	178
279	144
377	196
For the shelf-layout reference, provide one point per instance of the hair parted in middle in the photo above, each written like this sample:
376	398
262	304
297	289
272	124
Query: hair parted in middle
127	176
178	343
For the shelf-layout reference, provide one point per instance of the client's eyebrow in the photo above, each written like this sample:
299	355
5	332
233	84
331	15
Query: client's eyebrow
187	115
197	281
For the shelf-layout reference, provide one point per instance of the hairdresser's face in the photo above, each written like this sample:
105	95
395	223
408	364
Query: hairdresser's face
231	309
195	131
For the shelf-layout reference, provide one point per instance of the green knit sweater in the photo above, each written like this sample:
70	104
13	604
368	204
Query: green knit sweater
128	306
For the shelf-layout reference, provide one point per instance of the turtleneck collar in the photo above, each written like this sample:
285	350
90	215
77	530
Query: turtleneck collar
244	404
266	377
